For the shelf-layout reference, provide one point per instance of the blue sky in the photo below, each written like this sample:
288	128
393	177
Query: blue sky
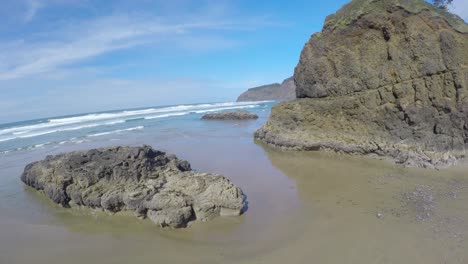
61	57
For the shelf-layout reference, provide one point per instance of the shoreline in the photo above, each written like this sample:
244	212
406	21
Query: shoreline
397	156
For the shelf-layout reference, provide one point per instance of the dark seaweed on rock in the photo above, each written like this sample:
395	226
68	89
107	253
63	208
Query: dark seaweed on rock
151	183
385	77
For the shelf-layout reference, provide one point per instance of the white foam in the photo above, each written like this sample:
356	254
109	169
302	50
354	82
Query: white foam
224	108
80	141
6	139
167	115
25	128
94	117
118	116
116	131
201	111
107	119
67	128
24	134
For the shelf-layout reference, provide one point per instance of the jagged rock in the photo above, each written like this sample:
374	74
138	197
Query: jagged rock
285	91
236	115
385	77
140	179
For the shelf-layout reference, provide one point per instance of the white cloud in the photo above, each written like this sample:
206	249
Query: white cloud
32	7
50	64
49	51
460	7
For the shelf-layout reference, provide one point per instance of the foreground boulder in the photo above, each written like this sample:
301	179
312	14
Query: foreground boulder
148	182
384	77
236	115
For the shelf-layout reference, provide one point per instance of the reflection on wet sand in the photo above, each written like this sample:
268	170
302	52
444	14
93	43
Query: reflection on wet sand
87	235
370	211
124	224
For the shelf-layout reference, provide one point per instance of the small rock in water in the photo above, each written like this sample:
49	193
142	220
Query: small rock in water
236	115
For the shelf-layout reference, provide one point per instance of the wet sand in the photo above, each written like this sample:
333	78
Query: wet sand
303	208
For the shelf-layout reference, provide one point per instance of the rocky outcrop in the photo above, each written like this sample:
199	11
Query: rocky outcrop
285	91
384	77
236	115
148	182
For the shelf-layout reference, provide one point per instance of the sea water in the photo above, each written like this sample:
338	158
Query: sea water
76	129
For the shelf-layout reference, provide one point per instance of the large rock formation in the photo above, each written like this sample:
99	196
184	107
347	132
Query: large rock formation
235	115
385	77
285	91
151	183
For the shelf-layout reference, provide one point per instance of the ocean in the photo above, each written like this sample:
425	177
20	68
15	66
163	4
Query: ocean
76	129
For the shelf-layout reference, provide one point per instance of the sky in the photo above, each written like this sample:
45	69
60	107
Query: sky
60	57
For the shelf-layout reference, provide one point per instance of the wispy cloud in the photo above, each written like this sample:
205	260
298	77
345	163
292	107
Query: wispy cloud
68	56
32	7
48	51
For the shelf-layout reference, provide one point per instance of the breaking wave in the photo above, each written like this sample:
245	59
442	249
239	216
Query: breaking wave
61	130
116	131
65	124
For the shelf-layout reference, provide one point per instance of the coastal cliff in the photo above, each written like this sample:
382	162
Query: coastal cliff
384	77
285	91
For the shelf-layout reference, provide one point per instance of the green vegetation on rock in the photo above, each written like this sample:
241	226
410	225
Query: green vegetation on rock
354	10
